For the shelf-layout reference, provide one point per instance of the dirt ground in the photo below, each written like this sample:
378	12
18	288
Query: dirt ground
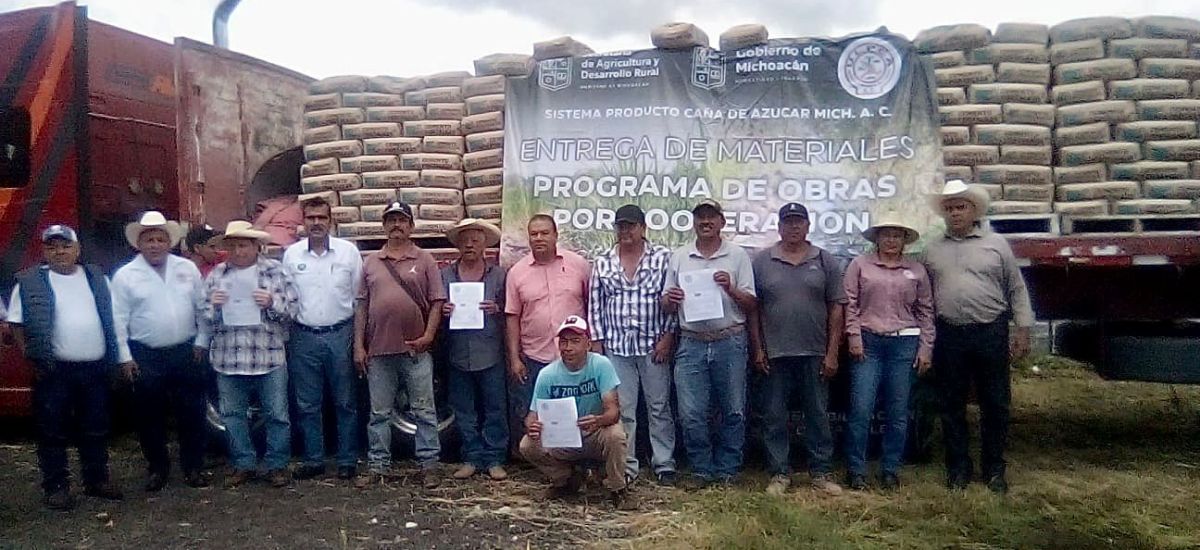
326	513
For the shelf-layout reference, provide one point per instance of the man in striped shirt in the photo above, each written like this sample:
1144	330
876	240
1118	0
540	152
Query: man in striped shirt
630	327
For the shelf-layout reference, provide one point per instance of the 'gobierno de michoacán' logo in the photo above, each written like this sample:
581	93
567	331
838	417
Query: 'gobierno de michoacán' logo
869	68
554	74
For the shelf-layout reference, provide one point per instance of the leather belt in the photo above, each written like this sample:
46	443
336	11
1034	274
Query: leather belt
714	335
325	329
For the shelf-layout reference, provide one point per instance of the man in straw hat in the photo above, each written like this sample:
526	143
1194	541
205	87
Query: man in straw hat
795	334
978	291
157	301
476	355
61	313
251	302
889	326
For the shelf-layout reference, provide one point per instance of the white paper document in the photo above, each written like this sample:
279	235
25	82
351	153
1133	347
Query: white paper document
466	298
560	423
239	309
702	300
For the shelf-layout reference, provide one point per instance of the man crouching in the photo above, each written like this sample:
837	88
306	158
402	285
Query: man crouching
592	381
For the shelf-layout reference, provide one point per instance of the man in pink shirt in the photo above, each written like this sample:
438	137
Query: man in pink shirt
542	290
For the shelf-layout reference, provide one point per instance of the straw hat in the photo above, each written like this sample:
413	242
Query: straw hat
153	219
891	219
239	229
492	233
958	189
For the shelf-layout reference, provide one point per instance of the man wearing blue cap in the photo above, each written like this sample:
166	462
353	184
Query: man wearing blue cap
62	314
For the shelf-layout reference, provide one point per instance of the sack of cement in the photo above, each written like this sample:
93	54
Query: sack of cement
1149	88
1105	28
965	173
1159	26
971	155
483	195
393	179
1156	130
1087	173
443	94
1074	52
1195	169
330	197
338	149
372	99
394	84
432	228
1001	93
1082	208
482	160
1011	134
332	182
1112	112
1188	69
563	46
485	104
1100	69
1097	132
430	161
946	38
1150	170
442	179
951	96
447	79
484	85
485	140
338	85
450	145
1021	33
343	115
1025	113
395	114
1011	53
344	214
484	178
1175	149
1171	189
361	230
956	135
320	167
1153	206
445	111
372	130
1108	190
742	36
322	102
1013	174
362	197
1139	48
321	134
440	212
1080	92
428	195
1108	153
391	146
372	163
1022	192
946	60
416	97
485	211
486	122
1024	73
422	128
504	64
965	75
1169	109
1039	155
994	192
1018	208
970	115
678	36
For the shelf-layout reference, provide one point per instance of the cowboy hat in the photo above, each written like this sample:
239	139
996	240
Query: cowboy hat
153	219
958	189
891	219
239	229
489	230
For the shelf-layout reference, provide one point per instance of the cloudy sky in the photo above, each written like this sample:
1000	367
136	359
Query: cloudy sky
404	37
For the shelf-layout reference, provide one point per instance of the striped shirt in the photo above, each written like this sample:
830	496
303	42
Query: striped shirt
257	349
625	313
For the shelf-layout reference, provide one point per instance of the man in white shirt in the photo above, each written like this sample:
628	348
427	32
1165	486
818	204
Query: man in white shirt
157	297
327	272
62	315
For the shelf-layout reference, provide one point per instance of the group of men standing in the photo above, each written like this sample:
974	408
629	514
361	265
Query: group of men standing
608	334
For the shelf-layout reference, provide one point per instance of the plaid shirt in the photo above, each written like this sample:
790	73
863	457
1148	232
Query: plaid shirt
257	349
626	314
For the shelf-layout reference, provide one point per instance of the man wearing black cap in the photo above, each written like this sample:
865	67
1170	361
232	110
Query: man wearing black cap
631	328
795	333
62	314
710	361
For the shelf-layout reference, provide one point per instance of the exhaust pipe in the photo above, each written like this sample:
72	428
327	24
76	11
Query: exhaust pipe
220	22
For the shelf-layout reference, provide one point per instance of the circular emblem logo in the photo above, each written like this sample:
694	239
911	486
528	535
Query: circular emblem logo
302	267
869	68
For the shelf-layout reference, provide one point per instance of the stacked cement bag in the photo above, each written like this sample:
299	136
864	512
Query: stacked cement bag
484	158
437	197
1127	115
993	97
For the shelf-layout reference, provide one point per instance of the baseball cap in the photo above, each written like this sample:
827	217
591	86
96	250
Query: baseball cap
630	213
574	323
793	209
708	203
59	231
399	207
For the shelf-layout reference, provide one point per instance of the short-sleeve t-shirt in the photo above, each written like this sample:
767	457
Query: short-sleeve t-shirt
793	300
587	385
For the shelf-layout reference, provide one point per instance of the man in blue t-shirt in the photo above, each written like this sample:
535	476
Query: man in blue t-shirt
590	379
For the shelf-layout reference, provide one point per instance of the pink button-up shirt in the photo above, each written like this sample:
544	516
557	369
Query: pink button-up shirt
885	299
542	296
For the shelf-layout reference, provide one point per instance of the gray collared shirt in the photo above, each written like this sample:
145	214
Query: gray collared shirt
976	279
730	258
793	300
478	349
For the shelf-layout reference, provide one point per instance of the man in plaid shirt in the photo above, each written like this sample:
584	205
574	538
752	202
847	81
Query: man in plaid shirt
251	302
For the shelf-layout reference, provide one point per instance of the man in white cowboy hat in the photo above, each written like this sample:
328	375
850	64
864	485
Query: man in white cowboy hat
251	302
476	374
978	291
795	334
157	300
327	271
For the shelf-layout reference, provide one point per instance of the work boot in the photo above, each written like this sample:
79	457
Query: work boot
666	479
367	479
107	491
238	477
779	484
825	484
195	479
464	472
889	481
497	473
856	482
346	472
60	500
623	500
694	482
155	482
309	471
568	489
997	484
280	478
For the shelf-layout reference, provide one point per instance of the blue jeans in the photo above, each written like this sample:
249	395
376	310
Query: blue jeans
790	374
71	399
385	373
237	392
707	374
478	400
520	395
317	358
887	368
641	377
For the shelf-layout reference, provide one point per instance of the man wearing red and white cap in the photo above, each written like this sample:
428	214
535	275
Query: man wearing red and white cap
592	381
